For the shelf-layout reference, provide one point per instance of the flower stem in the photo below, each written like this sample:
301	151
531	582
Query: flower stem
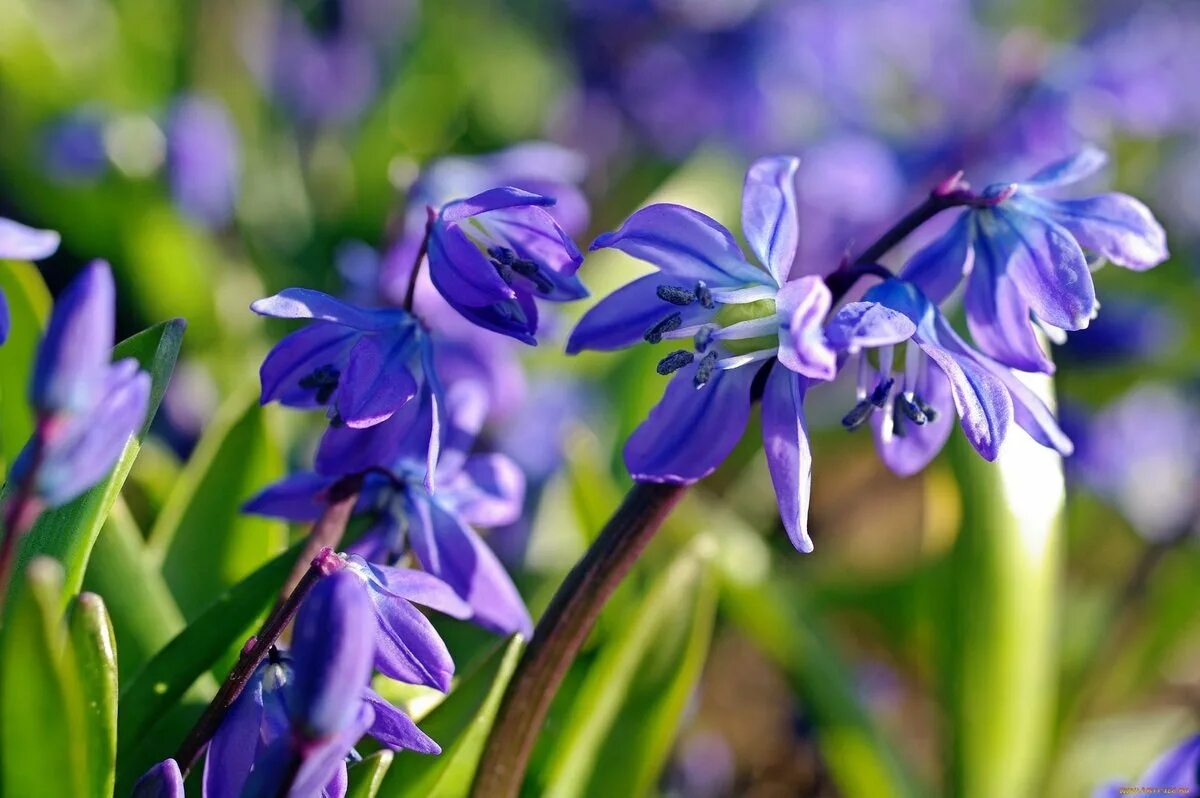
252	654
561	631
422	251
573	611
328	530
20	513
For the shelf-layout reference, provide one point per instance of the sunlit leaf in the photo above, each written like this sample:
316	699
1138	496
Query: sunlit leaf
93	655
28	307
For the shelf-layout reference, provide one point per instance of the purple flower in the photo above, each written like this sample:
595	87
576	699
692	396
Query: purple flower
161	781
303	710
87	406
734	314
18	242
73	146
1024	254
1178	768
203	160
909	398
437	526
492	254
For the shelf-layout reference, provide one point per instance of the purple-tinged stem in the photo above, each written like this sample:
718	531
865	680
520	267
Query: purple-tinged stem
572	613
21	511
328	530
422	251
325	563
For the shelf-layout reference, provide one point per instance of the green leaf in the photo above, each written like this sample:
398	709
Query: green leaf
143	610
622	723
68	532
207	543
460	725
366	777
94	656
42	748
166	678
28	307
860	758
996	634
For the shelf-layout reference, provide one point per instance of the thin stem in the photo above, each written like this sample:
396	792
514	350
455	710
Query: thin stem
573	611
256	648
328	530
422	251
561	631
21	511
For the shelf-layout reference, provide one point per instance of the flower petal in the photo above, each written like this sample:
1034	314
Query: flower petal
769	216
419	587
789	456
910	448
622	318
395	729
321	766
691	431
5	319
1048	268
452	551
535	235
865	325
18	242
461	272
78	342
939	266
684	244
300	354
1031	413
802	305
1114	225
489	491
299	497
1079	166
231	752
164	780
491	200
304	303
376	382
407	647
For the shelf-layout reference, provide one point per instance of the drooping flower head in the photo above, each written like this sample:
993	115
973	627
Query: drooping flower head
87	406
732	315
1023	253
303	710
437	526
18	242
493	254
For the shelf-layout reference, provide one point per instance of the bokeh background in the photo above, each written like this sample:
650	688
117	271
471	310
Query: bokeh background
975	630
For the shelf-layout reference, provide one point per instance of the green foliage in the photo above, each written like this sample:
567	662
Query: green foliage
28	307
366	777
93	654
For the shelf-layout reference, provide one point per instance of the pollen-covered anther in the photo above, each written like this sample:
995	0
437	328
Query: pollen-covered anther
323	380
911	410
502	254
704	371
674	361
926	409
531	271
675	295
858	415
703	338
880	394
672	322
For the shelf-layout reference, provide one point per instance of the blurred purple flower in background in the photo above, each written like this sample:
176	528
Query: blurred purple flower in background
203	159
18	242
87	407
73	146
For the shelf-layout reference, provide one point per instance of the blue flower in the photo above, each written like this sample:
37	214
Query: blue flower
734	315
18	242
87	406
1177	769
491	255
164	780
437	526
203	159
1024	253
303	710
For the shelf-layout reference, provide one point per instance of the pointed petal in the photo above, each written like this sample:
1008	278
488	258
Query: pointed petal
344	450
18	242
1032	414
461	272
164	780
376	382
865	325
396	730
691	431
623	317
421	588
769	216
407	647
802	306
1116	226
1079	166
938	267
231	753
451	550
304	303
299	497
1049	270
684	244
789	457
77	343
297	356
489	491
491	200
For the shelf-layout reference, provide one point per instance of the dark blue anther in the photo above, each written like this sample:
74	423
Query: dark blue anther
531	271
926	409
675	295
675	361
857	415
503	254
879	396
910	409
656	333
323	380
704	371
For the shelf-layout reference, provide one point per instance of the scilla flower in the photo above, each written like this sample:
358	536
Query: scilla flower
733	316
436	526
86	405
1023	252
491	255
164	780
18	242
1176	772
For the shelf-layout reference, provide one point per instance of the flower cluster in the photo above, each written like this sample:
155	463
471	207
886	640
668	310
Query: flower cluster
767	332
